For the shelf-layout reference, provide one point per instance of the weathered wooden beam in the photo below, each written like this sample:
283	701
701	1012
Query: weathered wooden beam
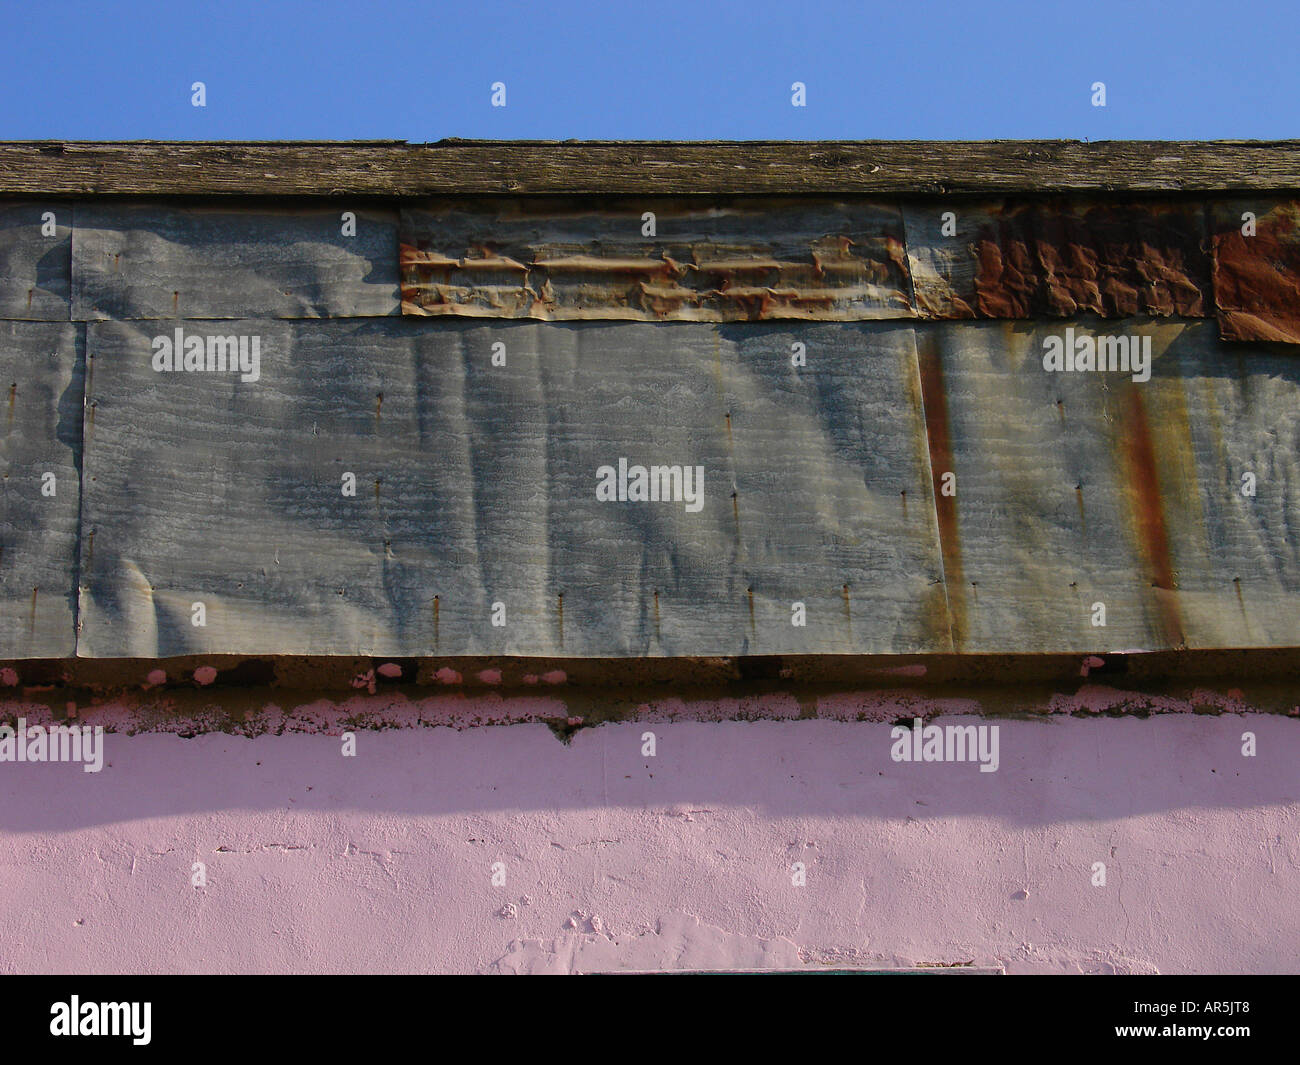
395	168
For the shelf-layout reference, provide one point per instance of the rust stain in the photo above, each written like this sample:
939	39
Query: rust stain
938	434
1061	259
1256	278
753	629
379	406
1083	518
1147	513
785	268
1241	602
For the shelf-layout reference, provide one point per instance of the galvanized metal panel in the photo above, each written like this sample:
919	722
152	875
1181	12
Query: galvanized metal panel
163	261
833	504
1081	488
1058	259
715	262
35	269
41	372
1257	274
1217	414
477	485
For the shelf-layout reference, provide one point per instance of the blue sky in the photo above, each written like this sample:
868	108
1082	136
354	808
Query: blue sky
694	70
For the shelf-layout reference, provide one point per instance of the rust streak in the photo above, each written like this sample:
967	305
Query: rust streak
1147	511
938	433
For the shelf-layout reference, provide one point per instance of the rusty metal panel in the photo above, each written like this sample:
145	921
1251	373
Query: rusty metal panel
1087	487
163	261
1257	274
477	450
41	372
1058	259
35	261
718	262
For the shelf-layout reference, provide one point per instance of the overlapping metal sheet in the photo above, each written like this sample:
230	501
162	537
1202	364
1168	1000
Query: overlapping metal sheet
41	373
477	452
656	260
35	261
825	524
1058	259
1081	488
159	261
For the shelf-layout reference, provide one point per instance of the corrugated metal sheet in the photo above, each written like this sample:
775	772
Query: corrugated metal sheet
35	269
476	484
1059	259
1257	276
41	372
722	262
1086	487
159	261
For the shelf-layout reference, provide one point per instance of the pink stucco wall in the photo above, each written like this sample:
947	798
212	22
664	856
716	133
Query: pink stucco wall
383	862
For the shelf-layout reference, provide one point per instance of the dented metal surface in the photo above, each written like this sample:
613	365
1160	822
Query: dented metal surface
1075	490
477	527
656	260
41	372
1257	269
166	261
1058	259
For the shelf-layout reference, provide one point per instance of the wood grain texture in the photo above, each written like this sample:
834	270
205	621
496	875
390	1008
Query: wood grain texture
395	168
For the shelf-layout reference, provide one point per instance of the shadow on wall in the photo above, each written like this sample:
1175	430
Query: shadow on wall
1050	770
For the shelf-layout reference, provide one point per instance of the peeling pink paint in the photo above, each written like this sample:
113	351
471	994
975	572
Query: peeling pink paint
447	675
205	675
390	670
490	676
155	678
8	677
555	676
